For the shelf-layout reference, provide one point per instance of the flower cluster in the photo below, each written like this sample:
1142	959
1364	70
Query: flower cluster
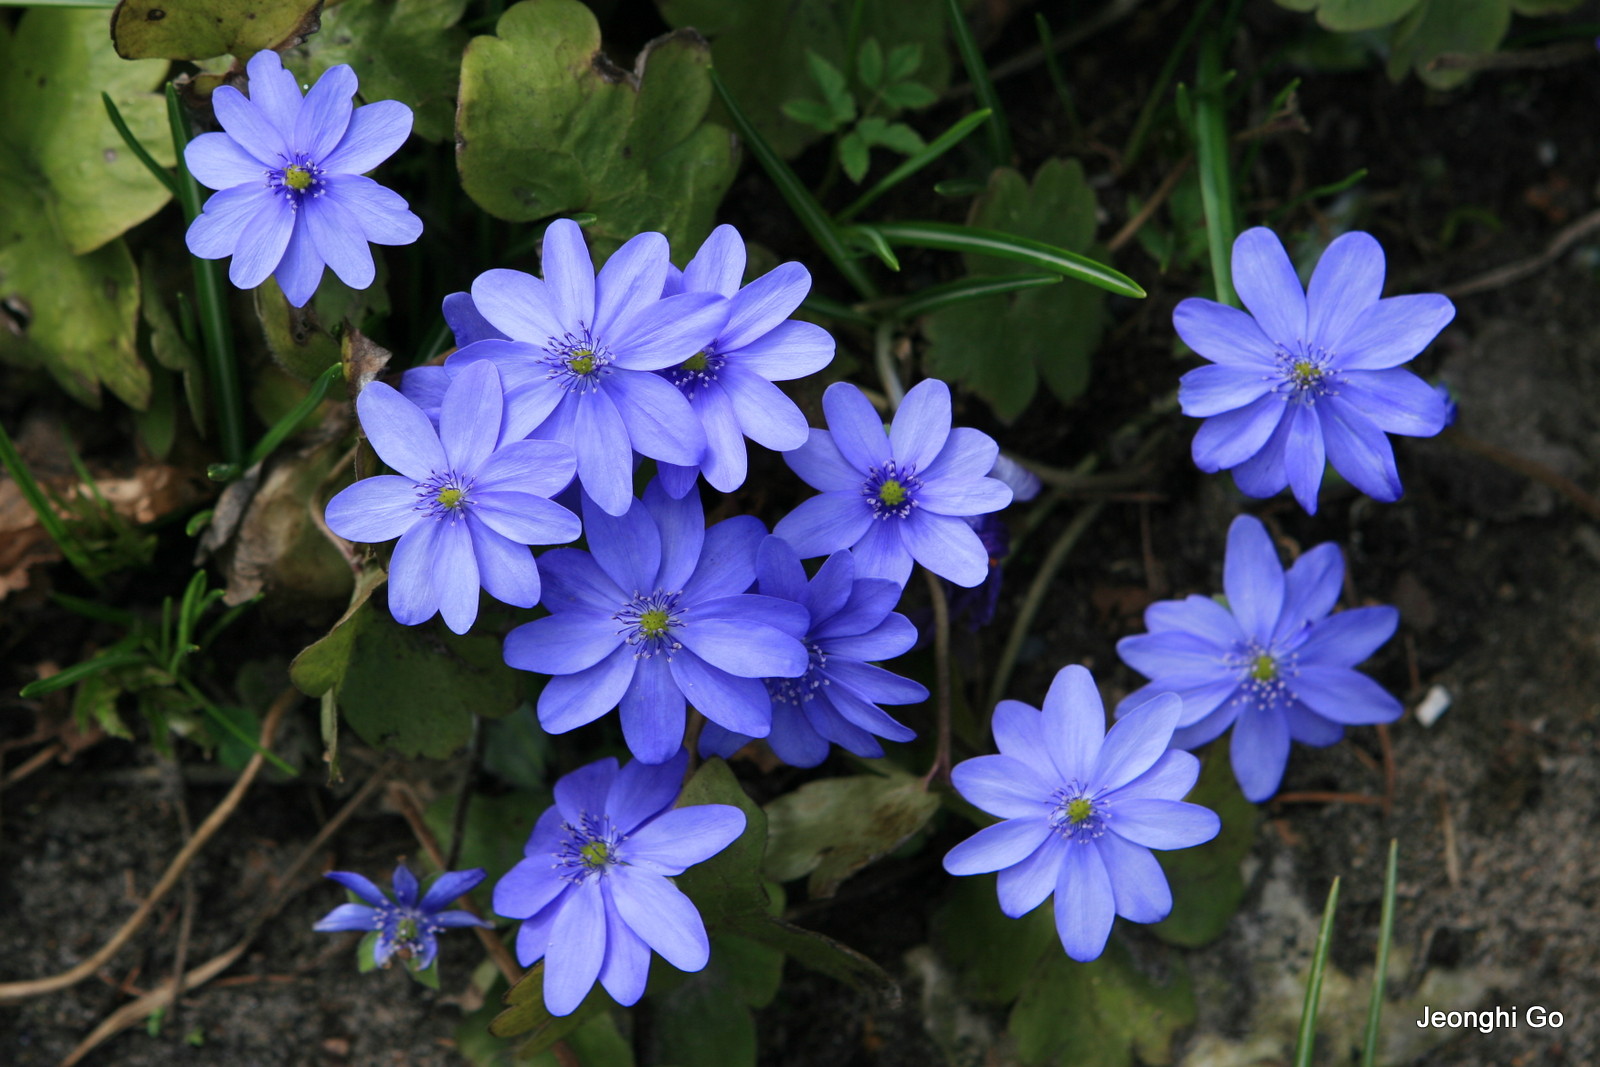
1273	663
1310	375
594	891
292	198
407	925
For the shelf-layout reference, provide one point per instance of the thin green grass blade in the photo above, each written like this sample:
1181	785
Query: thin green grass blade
947	237
53	524
958	187
212	305
1380	970
797	196
189	610
836	310
873	242
982	88
976	288
1331	189
93	609
1047	41
232	728
932	151
1211	154
162	174
1158	91
291	422
1306	1039
79	671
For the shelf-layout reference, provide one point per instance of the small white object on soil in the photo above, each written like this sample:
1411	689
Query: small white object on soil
1435	704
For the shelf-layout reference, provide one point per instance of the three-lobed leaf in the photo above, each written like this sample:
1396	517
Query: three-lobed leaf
201	29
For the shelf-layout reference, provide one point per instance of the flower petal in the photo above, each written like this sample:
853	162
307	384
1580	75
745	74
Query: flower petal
744	648
1360	451
340	240
1219	387
1393	331
374	510
456	576
1024	886
1137	881
569	275
505	567
865	713
1171	778
533	936
217	230
249	125
882	553
361	886
856	427
739	704
1345	639
967	454
626	544
682	528
605	462
683	837
1397	401
642	791
325	113
630	282
763	304
274	90
789	350
821	465
1136	741
1085	904
375	132
1348	280
660	914
349	917
1252	577
890	638
1227	440
626	970
724	462
763	412
718	267
1195	614
401	433
448	887
1268	286
1019	733
262	244
577	949
1164	824
218	162
1260	751
779	570
413	598
1304	456
963	497
466	322
573	700
668	331
1311	588
947	546
826	523
300	270
469	417
518	305
994	848
652	712
1345	696
1309	728
921	425
573	581
657	419
875	683
1003	786
383	214
1224	334
1074	723
564	643
540	468
726	563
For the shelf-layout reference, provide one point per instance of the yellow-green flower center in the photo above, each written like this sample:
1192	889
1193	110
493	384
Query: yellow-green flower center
450	498
1264	669
653	623
892	493
596	853
695	362
1079	810
581	361
297	177
1304	372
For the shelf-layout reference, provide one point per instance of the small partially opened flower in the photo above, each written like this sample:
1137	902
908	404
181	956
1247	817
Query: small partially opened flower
728	382
655	616
1273	663
1309	376
594	890
852	621
291	197
406	924
895	497
1083	807
581	351
463	506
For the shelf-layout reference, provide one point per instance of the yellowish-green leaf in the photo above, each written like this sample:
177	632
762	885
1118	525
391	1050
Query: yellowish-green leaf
200	29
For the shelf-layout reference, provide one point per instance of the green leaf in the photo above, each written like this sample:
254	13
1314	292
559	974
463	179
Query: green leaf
934	149
744	36
977	241
898	137
70	187
909	95
1000	348
869	63
835	88
903	61
1438	27
706	1017
410	689
496	829
833	827
1207	887
996	957
1305	1038
949	294
200	29
1101	1014
405	50
526	1014
546	125
167	344
1347	16
813	113
853	155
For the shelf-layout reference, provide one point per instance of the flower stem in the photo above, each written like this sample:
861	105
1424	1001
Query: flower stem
939	773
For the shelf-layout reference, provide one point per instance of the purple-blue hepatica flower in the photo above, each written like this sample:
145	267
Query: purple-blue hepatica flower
593	892
896	497
853	621
581	351
291	197
654	615
1082	810
729	381
463	508
1273	663
406	924
1309	375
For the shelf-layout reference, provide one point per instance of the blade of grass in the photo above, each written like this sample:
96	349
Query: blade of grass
162	174
1211	154
976	288
291	422
93	609
797	196
1380	971
79	671
1318	193
52	523
1306	1038
872	241
947	237
212	303
1158	91
930	152
232	728
834	309
1047	41
982	87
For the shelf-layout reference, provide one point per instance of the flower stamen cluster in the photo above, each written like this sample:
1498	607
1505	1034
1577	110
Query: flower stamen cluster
590	848
649	622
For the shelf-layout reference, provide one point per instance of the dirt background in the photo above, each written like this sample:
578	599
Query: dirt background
1497	576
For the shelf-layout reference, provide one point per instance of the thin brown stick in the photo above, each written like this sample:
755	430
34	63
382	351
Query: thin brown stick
1554	55
136	1011
1522	268
1526	467
1151	206
180	956
406	801
939	773
1387	748
11	992
1314	797
31	764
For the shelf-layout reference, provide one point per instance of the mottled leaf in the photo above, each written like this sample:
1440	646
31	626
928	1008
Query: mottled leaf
200	29
995	956
833	827
1440	27
706	1017
1345	16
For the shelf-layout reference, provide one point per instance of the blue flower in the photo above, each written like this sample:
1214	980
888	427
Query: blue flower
289	173
580	351
729	381
405	924
1272	663
852	621
1082	810
463	508
594	890
896	497
656	616
1314	375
